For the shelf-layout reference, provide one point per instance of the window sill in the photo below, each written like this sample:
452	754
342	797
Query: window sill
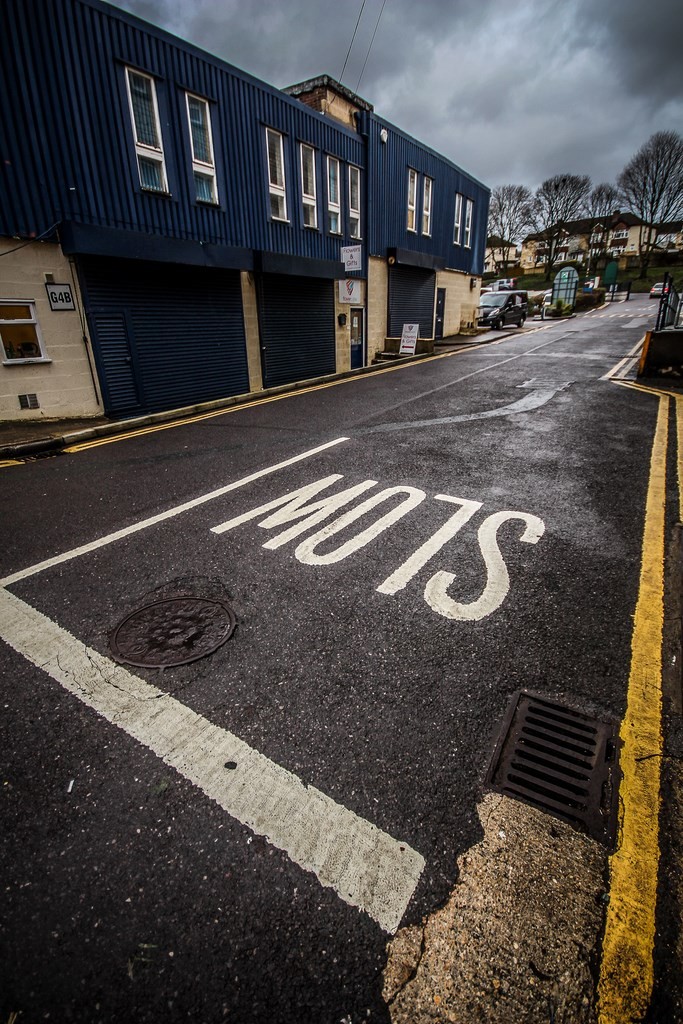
155	192
23	362
213	203
280	220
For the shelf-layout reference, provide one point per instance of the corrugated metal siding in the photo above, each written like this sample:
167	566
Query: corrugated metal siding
296	316
411	300
388	165
186	329
66	133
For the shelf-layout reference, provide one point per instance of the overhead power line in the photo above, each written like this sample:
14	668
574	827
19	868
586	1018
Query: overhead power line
362	8
370	46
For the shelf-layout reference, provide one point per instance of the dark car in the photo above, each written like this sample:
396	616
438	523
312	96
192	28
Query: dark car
496	309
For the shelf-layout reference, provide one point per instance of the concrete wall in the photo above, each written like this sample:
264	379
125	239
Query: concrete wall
378	297
461	300
343	334
251	331
64	385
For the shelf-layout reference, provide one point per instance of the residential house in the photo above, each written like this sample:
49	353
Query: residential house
499	253
174	231
585	241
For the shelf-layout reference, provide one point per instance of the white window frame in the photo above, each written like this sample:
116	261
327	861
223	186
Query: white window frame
334	209
143	150
469	207
427	199
354	211
275	188
201	167
33	320
411	224
310	199
457	220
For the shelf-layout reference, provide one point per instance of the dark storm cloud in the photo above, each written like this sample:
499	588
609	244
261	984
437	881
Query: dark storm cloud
511	92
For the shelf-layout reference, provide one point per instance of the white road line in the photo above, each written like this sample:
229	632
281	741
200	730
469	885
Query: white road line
621	365
630	363
162	516
365	866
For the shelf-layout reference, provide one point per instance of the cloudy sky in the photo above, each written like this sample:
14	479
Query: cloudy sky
513	92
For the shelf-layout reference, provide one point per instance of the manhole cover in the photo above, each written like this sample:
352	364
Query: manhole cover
559	760
174	631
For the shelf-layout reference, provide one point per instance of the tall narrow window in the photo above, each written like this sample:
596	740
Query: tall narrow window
412	199
468	223
457	225
308	191
427	207
144	114
333	201
276	175
203	166
354	202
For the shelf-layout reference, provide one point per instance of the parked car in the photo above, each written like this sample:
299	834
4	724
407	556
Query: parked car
657	290
496	309
504	284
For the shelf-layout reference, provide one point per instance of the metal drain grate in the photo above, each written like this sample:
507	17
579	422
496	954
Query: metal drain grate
559	760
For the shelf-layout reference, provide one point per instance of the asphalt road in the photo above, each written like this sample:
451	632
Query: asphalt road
492	542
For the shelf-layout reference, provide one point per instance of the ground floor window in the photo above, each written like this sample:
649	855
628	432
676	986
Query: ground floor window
20	332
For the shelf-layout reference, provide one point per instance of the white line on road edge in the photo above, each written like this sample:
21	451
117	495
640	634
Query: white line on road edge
169	514
365	866
621	365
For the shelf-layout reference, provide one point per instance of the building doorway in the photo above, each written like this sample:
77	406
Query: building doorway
357	337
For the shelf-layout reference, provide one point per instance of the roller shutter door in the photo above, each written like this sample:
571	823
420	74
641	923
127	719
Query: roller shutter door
296	317
411	299
178	329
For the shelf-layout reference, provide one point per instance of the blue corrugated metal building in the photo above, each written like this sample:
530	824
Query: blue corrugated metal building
199	220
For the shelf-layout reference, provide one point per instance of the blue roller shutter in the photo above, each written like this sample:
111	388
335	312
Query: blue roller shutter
411	299
186	331
296	316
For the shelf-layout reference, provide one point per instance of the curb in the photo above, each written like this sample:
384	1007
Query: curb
25	449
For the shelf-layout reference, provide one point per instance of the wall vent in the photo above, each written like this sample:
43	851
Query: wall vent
29	402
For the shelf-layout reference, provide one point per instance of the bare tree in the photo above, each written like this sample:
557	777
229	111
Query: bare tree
509	218
651	186
558	201
601	205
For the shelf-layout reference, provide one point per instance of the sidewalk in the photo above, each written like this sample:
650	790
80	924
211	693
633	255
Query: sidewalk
23	438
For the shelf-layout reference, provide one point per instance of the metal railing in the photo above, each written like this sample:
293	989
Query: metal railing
670	312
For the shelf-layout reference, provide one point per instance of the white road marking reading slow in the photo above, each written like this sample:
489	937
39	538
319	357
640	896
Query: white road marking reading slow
163	516
497	576
293	505
404	574
365	866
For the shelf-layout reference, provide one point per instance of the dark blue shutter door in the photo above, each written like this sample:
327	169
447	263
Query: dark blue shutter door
120	393
187	328
296	317
411	299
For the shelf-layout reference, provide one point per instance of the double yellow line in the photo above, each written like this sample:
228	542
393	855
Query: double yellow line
627	967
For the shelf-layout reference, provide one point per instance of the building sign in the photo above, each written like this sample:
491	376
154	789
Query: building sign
351	257
349	291
60	296
408	339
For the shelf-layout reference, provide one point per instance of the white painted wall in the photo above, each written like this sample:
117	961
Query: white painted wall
64	385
